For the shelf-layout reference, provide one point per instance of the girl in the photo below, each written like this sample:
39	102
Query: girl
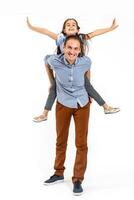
71	27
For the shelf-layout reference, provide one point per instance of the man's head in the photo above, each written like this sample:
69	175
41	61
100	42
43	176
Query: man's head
73	48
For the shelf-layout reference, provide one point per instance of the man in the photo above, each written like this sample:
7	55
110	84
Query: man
72	100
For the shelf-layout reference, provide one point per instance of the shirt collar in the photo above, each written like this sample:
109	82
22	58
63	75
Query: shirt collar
68	64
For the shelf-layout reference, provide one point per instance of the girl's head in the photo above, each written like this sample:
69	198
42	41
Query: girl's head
70	27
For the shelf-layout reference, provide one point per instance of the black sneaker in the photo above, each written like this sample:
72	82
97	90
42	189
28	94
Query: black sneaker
77	190
54	179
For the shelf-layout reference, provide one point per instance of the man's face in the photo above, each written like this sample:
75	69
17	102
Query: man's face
72	50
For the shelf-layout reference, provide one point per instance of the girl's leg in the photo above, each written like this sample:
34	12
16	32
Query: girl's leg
95	95
49	103
51	97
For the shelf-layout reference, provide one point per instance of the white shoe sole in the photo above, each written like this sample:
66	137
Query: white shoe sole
112	112
60	181
77	194
34	120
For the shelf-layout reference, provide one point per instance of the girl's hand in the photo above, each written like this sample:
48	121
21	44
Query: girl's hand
28	22
114	25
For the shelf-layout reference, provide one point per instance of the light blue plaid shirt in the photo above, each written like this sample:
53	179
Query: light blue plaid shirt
70	82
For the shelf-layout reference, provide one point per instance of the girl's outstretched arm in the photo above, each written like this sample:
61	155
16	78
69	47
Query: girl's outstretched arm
102	31
42	30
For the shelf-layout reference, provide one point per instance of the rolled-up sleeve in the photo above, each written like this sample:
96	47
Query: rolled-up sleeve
86	61
50	60
45	58
60	39
89	62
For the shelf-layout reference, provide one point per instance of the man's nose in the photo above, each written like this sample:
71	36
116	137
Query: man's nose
72	51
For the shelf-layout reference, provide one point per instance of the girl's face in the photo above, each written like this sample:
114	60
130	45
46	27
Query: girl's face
71	28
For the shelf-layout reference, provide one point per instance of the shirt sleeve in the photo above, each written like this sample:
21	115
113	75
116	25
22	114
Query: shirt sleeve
88	62
60	39
50	60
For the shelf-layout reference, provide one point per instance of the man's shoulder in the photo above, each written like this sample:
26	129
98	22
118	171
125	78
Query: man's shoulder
56	57
55	60
85	59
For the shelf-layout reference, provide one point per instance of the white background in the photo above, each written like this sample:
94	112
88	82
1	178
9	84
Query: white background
27	149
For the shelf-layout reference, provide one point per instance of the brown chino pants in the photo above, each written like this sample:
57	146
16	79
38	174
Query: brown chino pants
63	118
